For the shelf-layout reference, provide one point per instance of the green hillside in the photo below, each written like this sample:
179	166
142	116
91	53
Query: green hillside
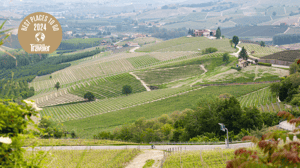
87	127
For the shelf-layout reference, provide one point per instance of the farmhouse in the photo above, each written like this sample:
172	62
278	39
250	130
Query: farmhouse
132	44
205	33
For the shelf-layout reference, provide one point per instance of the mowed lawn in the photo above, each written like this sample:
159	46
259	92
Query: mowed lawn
90	126
189	44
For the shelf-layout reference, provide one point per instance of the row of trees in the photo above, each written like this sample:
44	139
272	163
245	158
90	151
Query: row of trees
190	125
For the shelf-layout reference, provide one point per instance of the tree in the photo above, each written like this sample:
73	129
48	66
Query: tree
126	89
99	33
235	40
226	57
218	33
90	96
50	77
256	61
243	54
57	85
274	13
262	43
230	41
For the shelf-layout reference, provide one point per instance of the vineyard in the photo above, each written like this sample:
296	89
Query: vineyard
159	76
258	98
83	110
289	55
90	158
222	45
188	44
246	31
205	158
102	65
142	61
247	74
170	43
88	126
253	20
109	86
258	50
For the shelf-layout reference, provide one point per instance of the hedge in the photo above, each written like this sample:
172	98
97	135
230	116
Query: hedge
265	64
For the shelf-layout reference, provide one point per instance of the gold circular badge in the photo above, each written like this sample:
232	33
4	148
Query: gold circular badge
40	33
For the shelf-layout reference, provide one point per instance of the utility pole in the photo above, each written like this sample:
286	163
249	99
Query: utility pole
223	129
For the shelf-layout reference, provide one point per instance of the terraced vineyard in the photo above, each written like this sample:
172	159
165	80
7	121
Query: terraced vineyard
109	86
83	110
142	61
258	50
102	66
257	98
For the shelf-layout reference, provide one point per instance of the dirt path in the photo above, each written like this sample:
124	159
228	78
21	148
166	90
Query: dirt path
143	83
133	50
140	160
237	53
205	70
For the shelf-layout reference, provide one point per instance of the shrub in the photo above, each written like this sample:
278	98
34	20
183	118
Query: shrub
73	134
90	96
126	89
265	64
51	129
209	50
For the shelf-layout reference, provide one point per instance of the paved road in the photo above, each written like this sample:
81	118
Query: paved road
158	147
280	66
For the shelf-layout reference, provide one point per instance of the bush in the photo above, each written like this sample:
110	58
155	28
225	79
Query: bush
209	50
73	134
265	64
126	89
90	96
51	129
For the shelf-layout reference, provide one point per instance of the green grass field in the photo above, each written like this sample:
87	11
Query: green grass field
89	126
258	50
88	158
110	86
